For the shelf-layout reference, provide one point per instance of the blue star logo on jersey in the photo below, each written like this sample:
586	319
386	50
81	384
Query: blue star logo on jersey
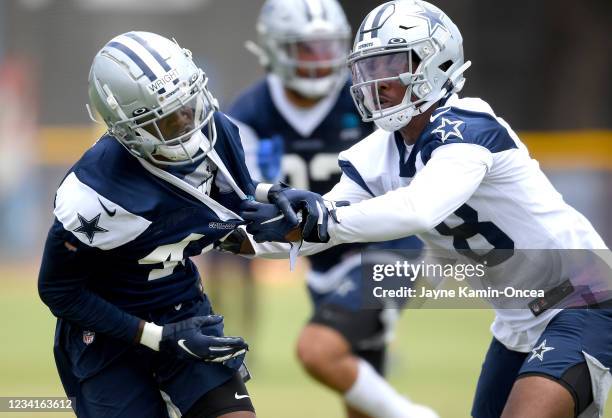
434	19
89	228
539	351
448	128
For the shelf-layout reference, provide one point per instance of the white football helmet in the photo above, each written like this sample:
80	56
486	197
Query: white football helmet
305	43
409	42
153	98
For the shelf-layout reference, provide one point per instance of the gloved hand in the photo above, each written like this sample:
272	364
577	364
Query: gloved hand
314	210
195	339
267	223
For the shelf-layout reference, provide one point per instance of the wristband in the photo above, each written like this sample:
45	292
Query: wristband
151	335
261	192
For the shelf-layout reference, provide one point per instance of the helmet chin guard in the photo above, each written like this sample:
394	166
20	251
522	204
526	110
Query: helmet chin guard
314	88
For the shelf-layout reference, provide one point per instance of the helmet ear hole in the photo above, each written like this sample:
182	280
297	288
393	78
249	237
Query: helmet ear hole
415	59
445	65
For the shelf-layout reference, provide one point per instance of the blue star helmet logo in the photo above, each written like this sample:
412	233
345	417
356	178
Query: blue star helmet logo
434	19
89	228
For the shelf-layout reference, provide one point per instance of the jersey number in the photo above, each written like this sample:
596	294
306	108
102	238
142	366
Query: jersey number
471	226
170	255
321	167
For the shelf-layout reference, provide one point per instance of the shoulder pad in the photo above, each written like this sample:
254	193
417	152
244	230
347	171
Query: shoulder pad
370	160
93	219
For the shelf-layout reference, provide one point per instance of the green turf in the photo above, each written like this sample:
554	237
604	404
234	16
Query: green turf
435	359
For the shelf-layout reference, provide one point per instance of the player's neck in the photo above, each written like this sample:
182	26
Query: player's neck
411	132
300	101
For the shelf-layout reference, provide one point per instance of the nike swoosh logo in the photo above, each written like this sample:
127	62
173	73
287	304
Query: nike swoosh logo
276	218
108	212
181	344
240	396
432	117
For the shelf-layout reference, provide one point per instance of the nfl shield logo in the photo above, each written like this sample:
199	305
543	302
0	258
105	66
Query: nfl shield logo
88	337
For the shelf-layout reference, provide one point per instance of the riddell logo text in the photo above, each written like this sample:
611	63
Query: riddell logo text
365	45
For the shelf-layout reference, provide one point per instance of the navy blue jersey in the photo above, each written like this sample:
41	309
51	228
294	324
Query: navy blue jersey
310	154
124	231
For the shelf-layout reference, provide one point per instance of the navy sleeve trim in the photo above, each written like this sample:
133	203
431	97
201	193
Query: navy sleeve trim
352	173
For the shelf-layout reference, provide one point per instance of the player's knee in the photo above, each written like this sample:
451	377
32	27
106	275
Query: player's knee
319	346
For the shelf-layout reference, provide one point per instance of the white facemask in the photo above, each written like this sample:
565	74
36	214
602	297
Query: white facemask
185	151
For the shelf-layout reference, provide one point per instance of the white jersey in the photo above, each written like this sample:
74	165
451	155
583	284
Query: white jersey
467	182
468	170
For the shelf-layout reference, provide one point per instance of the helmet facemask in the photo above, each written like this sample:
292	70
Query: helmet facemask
376	75
311	66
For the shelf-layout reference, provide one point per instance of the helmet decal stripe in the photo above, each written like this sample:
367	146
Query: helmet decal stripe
153	52
314	9
361	31
323	11
307	8
376	24
134	57
144	54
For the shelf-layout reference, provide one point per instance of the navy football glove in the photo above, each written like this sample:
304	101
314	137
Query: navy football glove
267	223
195	339
314	209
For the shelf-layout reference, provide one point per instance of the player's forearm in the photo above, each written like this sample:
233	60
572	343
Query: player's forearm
377	219
90	312
61	286
280	250
447	182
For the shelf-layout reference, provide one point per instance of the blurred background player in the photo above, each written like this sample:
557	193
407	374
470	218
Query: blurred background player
293	123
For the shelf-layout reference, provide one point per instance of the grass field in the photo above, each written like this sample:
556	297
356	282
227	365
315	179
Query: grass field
435	359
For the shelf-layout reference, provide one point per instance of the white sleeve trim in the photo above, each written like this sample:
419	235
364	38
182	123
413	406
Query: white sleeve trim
119	226
250	145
